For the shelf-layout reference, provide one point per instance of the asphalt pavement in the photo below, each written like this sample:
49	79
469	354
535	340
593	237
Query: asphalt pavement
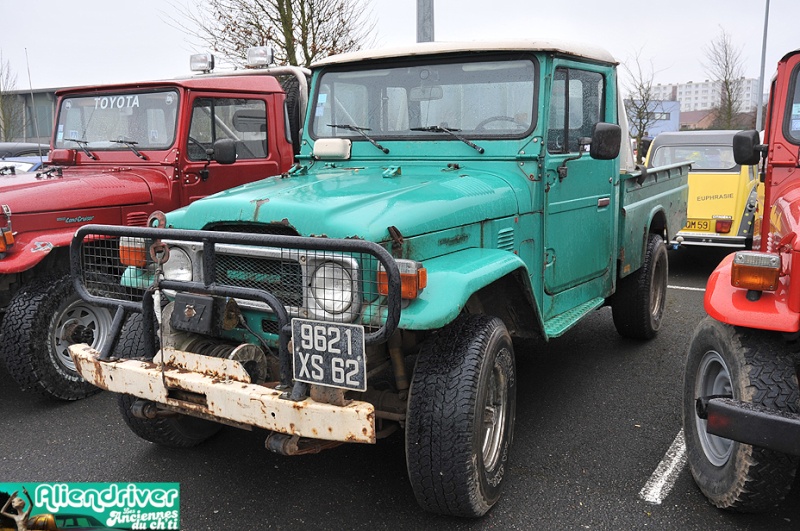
596	417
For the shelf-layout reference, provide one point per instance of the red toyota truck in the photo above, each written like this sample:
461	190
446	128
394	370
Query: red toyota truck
120	152
741	410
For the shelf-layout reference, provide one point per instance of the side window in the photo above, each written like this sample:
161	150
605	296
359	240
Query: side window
242	120
793	108
576	105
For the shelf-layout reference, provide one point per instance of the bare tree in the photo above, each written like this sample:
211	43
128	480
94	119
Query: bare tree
11	108
725	67
640	105
301	31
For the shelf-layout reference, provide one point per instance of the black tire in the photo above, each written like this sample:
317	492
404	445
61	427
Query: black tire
175	431
460	420
638	305
35	337
750	365
131	343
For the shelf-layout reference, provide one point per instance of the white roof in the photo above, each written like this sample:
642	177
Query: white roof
428	48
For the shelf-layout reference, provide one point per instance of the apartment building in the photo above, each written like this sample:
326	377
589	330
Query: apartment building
706	95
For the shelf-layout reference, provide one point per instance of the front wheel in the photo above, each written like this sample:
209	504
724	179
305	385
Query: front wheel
747	365
168	429
638	305
43	319
460	420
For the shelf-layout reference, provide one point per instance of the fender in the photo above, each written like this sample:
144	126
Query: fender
729	305
32	248
452	279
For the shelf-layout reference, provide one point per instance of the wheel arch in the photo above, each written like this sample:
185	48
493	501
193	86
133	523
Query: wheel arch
489	281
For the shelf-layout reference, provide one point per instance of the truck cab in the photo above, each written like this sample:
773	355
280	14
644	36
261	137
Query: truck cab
119	152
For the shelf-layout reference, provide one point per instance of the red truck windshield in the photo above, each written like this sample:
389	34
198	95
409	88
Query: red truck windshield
100	121
793	109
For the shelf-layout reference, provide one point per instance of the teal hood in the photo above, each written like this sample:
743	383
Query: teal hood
358	202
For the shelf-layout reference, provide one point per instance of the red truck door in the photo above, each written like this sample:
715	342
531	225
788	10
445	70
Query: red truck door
244	120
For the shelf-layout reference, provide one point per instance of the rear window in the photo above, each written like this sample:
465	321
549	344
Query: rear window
717	158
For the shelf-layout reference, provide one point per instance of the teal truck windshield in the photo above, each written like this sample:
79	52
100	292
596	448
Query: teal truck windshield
114	121
479	99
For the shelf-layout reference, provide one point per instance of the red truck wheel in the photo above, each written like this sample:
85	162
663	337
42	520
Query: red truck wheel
748	365
460	419
41	321
638	305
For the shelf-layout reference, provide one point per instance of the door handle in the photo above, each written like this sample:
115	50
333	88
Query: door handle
603	202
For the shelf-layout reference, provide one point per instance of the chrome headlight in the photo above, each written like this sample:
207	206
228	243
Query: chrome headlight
332	288
179	265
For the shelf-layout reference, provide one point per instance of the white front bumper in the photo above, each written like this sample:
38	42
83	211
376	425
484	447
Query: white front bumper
223	390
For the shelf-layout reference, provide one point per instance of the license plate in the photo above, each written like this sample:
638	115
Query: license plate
330	354
698	224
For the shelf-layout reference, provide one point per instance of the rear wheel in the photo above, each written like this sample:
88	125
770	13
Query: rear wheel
638	305
747	365
169	429
460	421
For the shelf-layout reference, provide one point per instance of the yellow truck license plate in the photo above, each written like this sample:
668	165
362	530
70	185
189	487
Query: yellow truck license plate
698	224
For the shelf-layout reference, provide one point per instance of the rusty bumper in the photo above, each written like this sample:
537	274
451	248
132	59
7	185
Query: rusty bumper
221	389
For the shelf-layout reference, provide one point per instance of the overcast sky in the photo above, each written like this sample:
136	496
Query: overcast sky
102	41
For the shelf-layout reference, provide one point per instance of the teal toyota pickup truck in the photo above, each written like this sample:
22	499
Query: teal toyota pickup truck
449	200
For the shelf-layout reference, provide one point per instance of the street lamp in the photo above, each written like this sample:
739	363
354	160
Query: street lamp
760	107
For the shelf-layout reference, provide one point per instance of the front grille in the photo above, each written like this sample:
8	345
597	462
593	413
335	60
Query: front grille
282	278
311	278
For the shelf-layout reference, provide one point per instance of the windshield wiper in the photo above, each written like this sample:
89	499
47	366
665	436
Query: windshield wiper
360	131
131	144
82	145
451	132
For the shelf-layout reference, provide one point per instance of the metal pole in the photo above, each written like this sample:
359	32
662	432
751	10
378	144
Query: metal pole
425	21
760	108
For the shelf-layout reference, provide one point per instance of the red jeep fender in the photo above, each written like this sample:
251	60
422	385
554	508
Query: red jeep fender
729	305
32	248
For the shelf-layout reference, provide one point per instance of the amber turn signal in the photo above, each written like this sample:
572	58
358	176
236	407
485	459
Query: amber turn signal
6	241
756	271
133	251
413	279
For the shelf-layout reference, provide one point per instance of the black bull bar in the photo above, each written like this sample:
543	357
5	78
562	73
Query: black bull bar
87	266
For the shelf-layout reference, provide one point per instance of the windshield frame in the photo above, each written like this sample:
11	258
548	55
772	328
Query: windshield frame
318	123
62	139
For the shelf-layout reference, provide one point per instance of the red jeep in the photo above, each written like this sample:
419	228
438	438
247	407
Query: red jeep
120	152
741	411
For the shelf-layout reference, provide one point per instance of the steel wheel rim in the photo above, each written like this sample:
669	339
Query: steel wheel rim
713	378
495	411
660	280
94	319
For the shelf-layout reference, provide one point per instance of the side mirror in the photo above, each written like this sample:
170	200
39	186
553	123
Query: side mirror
747	147
606	141
225	151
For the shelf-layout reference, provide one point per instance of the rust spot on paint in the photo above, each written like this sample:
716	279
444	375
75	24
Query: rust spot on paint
258	203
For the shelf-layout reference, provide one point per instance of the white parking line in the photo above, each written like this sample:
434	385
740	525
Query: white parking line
661	481
686	288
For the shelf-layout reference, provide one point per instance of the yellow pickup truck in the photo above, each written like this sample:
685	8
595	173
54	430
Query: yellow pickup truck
723	195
